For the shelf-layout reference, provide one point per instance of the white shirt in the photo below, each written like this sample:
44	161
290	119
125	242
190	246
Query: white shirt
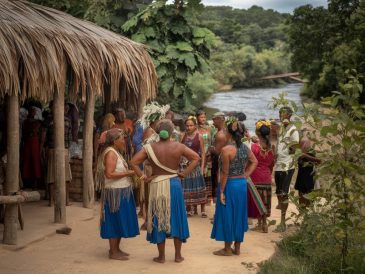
121	166
288	137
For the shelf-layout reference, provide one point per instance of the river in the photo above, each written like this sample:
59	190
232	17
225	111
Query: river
254	102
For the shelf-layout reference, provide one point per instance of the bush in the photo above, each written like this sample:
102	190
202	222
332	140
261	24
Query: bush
331	238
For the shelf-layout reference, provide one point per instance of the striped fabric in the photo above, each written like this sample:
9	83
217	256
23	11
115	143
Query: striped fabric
256	197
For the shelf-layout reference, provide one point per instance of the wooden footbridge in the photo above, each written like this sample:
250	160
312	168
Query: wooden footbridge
291	75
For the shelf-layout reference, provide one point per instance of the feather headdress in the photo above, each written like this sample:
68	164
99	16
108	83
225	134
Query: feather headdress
153	112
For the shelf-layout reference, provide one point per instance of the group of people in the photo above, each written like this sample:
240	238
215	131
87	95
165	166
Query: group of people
175	172
37	154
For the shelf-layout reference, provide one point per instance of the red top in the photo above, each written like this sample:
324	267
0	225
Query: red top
262	173
192	143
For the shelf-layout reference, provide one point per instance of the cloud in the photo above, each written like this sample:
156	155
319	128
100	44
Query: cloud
279	5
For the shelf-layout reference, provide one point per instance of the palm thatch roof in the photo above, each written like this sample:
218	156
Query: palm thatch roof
43	51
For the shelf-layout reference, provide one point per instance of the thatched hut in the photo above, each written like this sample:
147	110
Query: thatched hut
45	53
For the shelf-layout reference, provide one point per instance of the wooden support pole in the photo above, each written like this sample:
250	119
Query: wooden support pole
12	170
87	154
59	150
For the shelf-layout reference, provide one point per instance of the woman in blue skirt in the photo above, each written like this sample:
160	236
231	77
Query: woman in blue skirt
166	210
118	218
236	163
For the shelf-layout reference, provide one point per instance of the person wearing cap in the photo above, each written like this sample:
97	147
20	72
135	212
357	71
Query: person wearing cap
219	142
288	141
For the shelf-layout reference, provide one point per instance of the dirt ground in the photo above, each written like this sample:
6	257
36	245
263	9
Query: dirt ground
83	251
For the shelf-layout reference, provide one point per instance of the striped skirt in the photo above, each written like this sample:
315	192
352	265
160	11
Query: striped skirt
265	191
256	206
194	188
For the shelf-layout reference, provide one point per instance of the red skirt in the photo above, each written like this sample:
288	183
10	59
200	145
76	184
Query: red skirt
31	168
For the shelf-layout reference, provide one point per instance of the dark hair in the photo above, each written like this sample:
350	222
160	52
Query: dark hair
238	133
264	132
241	116
286	109
199	112
165	124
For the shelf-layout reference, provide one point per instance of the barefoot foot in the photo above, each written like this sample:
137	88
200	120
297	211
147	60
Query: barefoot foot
159	260
118	256
223	252
179	259
236	252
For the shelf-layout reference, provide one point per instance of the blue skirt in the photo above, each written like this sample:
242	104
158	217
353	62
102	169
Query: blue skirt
178	219
123	223
231	220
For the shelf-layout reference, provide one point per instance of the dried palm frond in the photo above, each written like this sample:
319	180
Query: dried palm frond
41	48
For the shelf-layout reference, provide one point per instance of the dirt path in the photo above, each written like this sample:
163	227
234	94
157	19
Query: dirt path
83	251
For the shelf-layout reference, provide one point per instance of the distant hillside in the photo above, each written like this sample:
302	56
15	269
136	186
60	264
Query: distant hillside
255	26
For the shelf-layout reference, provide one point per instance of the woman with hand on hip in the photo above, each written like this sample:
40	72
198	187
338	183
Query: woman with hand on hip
119	218
236	163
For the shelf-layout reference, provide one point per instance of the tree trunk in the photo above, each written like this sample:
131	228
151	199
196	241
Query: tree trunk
59	139
87	155
12	170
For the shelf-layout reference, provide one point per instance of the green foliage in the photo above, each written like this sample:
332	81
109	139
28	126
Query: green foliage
254	26
111	14
327	42
177	45
76	8
243	66
331	237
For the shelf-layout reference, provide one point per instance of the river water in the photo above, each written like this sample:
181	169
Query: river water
253	102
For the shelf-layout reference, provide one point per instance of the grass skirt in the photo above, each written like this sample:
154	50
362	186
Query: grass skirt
179	227
231	220
119	217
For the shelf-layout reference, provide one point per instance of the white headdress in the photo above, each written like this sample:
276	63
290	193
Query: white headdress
153	112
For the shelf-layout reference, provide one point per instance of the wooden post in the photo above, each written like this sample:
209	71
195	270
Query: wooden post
12	170
59	150
87	154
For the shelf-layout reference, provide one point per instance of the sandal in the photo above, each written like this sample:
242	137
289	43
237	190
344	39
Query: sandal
204	215
190	213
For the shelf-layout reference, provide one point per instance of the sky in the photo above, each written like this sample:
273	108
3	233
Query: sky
286	6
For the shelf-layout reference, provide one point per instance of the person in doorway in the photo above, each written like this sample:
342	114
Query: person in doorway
166	212
236	162
118	219
31	150
288	141
194	185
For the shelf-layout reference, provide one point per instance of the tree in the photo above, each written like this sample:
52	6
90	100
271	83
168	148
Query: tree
177	45
327	42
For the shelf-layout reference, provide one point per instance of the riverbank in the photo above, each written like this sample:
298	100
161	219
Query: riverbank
256	103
